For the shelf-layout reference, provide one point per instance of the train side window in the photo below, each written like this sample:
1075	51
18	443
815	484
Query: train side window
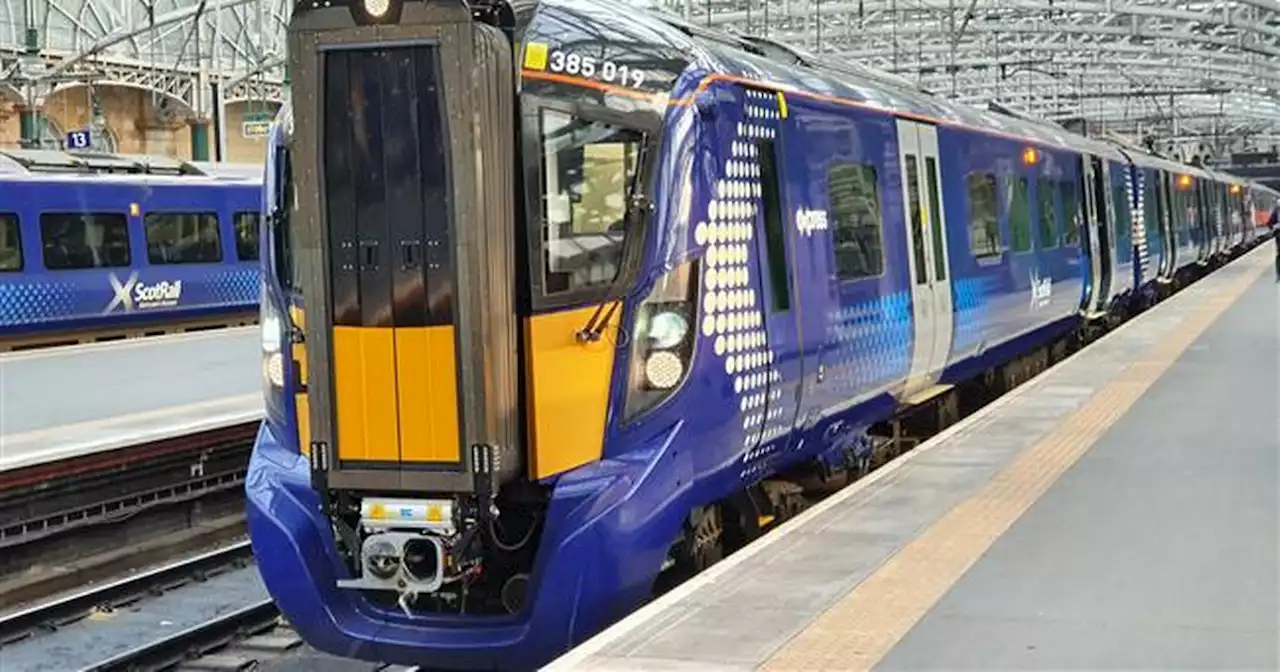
1124	222
246	227
588	174
182	238
1150	215
771	204
984	218
1019	209
1048	214
917	219
855	206
1070	213
935	219
73	240
288	270
10	243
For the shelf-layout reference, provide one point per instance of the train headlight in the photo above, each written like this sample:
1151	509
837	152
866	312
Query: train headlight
667	329
661	340
272	340
663	370
273	370
377	8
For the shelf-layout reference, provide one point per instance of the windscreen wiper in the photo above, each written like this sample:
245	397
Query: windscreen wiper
638	206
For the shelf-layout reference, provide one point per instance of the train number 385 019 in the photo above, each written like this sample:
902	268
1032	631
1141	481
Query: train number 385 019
595	68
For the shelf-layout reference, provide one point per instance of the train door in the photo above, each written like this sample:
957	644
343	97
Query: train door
783	377
1202	222
1168	224
390	277
929	266
1097	226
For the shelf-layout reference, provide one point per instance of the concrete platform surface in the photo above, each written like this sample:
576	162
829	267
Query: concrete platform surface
1120	511
64	401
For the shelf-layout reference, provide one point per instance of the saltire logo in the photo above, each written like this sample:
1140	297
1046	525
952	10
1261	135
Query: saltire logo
133	295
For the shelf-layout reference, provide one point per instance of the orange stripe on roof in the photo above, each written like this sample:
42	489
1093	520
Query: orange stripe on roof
707	81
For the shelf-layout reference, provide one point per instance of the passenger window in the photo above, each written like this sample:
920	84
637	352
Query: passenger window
246	224
775	243
1150	215
1048	214
10	243
75	240
1019	209
588	173
182	238
984	219
855	206
1124	222
1070	213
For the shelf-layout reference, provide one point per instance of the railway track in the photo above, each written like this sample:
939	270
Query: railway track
58	613
95	517
238	640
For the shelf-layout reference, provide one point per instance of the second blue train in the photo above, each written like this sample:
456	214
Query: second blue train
97	246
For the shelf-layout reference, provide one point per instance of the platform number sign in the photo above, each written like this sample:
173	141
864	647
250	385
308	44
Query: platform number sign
79	140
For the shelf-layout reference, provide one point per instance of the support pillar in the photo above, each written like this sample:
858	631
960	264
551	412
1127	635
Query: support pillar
200	141
29	123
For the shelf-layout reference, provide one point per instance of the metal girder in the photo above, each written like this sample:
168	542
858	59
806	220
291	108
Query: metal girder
173	48
1187	69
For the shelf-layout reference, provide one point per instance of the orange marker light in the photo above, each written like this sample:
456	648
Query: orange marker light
1030	156
1184	181
134	210
1235	188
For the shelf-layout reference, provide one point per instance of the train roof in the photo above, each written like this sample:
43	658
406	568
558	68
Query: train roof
55	164
665	45
644	36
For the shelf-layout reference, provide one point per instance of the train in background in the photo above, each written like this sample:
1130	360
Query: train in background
514	379
100	246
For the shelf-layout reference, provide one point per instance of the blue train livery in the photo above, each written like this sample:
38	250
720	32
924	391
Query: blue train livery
517	379
93	244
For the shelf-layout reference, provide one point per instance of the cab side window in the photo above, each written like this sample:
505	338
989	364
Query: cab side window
588	174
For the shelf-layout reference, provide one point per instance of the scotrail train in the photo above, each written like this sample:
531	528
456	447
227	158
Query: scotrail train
96	244
513	374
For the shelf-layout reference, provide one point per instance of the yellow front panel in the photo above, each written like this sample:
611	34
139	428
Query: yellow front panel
364	393
568	389
302	406
428	400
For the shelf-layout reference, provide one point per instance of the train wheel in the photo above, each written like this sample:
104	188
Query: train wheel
703	538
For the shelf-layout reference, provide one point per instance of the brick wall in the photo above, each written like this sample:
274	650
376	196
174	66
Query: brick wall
135	124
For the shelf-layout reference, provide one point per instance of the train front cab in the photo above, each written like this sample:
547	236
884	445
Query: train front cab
429	477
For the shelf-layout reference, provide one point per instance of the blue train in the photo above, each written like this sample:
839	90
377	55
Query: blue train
95	246
514	379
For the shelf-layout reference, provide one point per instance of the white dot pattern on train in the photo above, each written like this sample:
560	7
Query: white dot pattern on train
732	307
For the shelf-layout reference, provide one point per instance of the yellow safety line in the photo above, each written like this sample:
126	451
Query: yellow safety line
859	630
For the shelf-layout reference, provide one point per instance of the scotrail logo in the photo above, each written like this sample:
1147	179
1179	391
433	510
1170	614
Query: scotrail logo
134	295
808	221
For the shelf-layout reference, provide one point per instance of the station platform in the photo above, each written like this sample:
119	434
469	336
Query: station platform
71	401
1120	511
